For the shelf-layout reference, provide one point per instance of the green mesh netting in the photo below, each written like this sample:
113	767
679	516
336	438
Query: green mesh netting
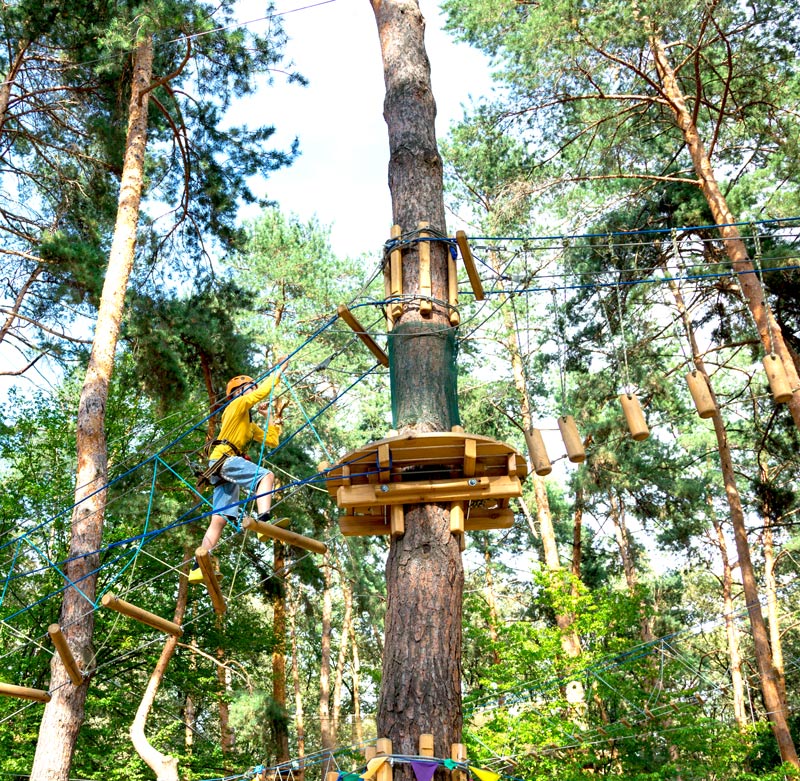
423	375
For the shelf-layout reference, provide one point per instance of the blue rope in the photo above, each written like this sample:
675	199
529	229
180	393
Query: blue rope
308	421
134	555
10	571
642	231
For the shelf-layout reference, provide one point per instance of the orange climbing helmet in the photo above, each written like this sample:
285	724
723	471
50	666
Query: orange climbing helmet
237	382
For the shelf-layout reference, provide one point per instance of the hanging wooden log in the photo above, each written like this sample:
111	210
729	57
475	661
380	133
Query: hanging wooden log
778	381
60	643
469	264
701	396
210	580
284	535
348	317
634	417
572	439
537	452
112	602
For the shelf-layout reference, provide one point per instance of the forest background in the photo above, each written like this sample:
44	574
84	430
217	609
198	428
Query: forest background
608	632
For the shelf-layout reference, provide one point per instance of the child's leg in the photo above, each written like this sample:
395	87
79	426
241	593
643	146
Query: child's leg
214	532
264	491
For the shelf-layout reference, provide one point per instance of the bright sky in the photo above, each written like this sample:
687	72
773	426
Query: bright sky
341	176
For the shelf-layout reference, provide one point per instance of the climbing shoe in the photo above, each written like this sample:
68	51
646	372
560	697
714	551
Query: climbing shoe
196	574
267	518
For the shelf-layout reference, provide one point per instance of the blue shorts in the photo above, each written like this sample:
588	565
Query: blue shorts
235	472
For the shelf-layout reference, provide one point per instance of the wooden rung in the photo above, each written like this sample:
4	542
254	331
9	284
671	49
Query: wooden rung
366	495
457	517
470	454
626	723
452	289
397	520
396	274
210	580
112	602
458	753
425	289
24	693
512	464
60	643
347	316
332	775
426	744
346	475
469	264
370	752
502	518
384	462
384	747
284	535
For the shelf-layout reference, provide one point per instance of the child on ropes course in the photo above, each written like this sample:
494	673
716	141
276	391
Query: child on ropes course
229	468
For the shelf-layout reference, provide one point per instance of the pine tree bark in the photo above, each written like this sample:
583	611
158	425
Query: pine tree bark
768	329
421	683
8	81
355	677
776	712
63	715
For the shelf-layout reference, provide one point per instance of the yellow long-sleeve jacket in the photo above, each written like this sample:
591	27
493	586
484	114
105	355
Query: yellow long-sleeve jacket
237	427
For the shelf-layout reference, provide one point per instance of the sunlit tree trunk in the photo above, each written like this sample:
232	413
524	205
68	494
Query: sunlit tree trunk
63	715
768	329
770	690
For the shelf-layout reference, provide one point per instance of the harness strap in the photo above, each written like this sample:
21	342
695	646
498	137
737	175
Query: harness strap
211	445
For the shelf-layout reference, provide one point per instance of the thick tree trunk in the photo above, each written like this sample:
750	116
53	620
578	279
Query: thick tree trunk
768	329
163	765
731	630
421	684
63	715
280	722
776	712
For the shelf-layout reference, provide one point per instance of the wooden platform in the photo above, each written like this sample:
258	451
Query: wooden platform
476	473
